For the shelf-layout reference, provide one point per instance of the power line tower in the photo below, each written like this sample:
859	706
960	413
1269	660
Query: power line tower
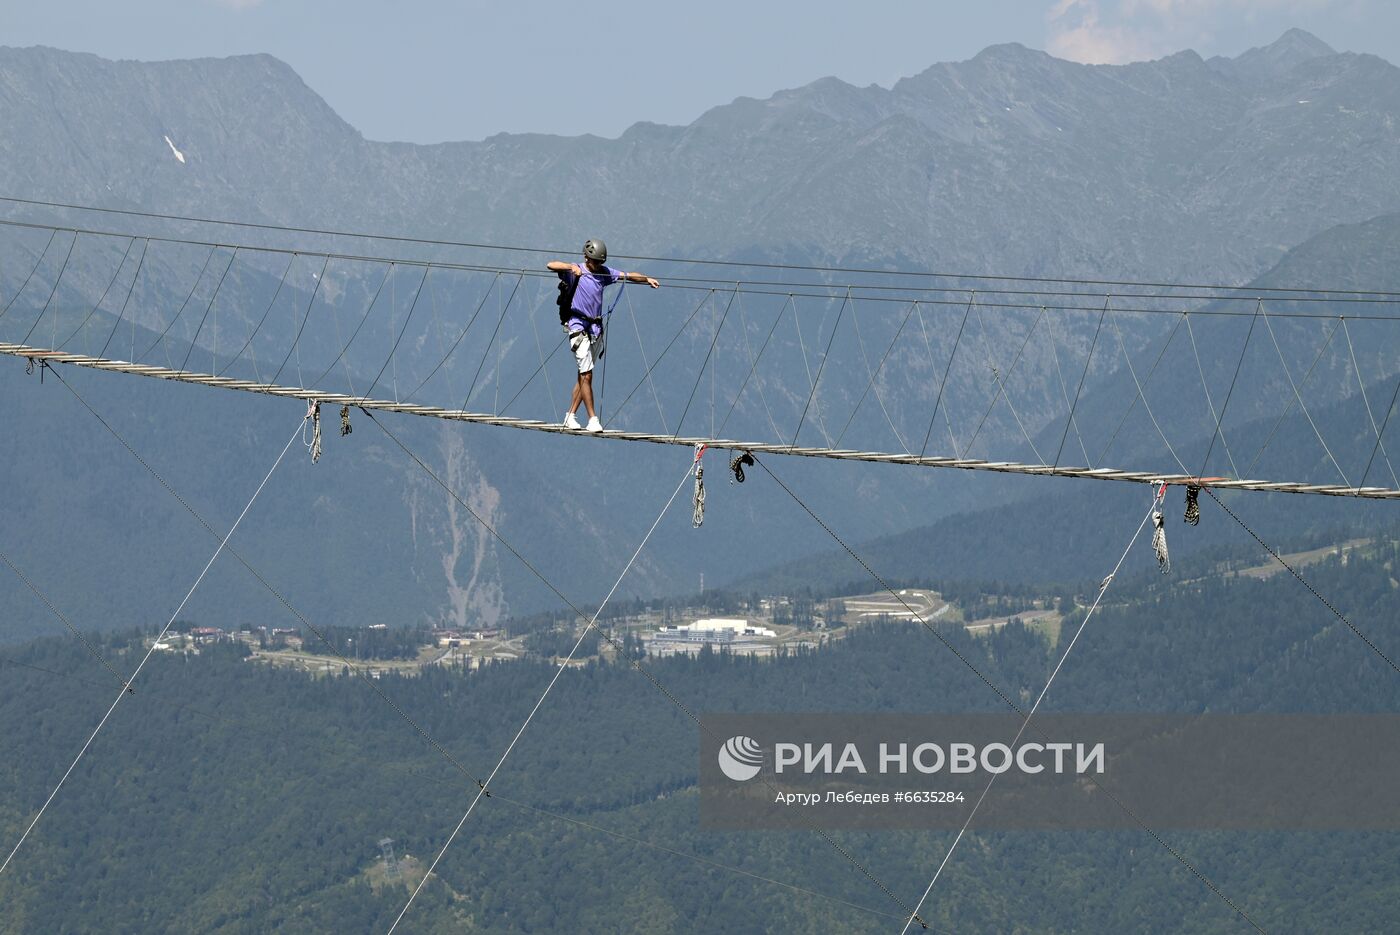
391	864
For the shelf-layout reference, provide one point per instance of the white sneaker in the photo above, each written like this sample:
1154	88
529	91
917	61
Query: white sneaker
594	425
571	422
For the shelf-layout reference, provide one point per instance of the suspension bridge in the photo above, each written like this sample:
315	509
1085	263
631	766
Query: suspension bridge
231	291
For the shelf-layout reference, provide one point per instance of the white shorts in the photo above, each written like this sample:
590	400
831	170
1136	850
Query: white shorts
582	346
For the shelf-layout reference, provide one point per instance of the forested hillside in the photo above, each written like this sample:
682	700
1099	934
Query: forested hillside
228	797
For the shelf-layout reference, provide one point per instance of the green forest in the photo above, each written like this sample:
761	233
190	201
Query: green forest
231	797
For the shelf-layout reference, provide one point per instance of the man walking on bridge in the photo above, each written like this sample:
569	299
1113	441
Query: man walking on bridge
582	317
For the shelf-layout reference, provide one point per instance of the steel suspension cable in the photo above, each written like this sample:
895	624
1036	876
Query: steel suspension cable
698	261
592	623
126	688
1370	416
111	282
1082	376
613	642
646	366
1231	391
1210	404
140	264
1381	431
92	650
281	283
34	269
831	340
356	333
1006	699
487	351
320	278
233	258
166	330
1064	392
655	363
353	667
1268	440
462	334
860	341
943	383
58	280
1001	385
1034	299
744	325
1025	722
1364	638
700	374
1141	390
1288	373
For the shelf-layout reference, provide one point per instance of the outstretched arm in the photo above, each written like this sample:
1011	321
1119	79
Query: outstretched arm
641	278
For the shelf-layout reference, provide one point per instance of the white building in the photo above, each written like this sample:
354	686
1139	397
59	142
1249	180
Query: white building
715	630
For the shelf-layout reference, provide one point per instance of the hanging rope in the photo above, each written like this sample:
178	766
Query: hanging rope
1026	721
737	465
698	516
592	625
1159	530
126	688
1159	541
1193	509
345	427
313	416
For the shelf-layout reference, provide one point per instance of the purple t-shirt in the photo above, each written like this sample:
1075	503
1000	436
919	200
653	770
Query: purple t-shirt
588	296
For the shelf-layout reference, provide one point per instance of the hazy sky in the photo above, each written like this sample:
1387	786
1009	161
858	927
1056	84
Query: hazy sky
434	70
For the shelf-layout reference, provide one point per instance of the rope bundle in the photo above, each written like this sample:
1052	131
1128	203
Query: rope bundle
1193	509
313	414
1159	541
697	518
737	465
345	428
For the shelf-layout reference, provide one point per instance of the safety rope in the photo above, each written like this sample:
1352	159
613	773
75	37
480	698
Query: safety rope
131	243
39	261
335	317
1082	377
1159	542
619	647
1217	433
1294	294
1005	698
320	278
943	382
92	650
121	315
54	291
209	308
313	416
183	305
697	516
816	382
1303	581
563	667
1370	415
753	366
1025	722
126	687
